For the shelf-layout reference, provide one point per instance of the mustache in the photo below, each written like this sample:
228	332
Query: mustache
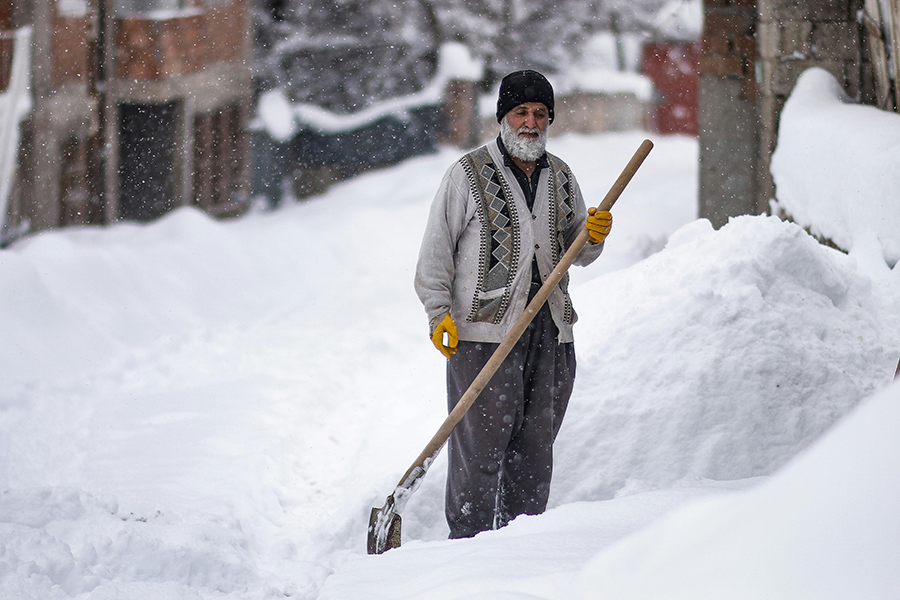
525	129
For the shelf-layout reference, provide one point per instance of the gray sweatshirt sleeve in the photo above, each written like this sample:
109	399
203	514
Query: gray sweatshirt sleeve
591	251
436	268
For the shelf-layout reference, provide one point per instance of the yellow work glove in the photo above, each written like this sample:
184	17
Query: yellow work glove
598	224
437	336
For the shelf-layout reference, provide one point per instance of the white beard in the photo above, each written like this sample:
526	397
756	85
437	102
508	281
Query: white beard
523	148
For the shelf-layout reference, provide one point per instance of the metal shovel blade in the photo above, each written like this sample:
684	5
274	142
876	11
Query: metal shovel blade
384	529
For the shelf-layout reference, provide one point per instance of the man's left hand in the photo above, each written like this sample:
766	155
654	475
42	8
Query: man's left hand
598	224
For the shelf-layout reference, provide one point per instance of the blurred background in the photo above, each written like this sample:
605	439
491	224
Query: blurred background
124	109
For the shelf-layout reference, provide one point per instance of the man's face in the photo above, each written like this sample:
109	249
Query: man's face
530	116
524	131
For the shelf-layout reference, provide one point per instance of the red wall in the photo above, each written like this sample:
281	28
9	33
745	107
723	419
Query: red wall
674	69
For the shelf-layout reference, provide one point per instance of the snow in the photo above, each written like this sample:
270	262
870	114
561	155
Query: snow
455	61
281	124
195	409
602	50
600	80
783	336
825	527
282	119
277	115
679	20
72	7
837	166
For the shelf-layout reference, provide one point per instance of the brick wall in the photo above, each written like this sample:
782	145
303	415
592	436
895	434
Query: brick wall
154	49
225	30
194	60
729	42
70	48
162	48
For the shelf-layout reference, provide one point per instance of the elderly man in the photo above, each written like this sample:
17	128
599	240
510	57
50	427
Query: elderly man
502	218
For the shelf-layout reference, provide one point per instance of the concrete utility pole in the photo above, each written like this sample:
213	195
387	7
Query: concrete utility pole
728	113
753	53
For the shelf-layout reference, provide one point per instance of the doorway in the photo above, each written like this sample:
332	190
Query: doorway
147	134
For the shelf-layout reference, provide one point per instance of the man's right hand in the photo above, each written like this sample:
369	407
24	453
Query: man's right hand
437	336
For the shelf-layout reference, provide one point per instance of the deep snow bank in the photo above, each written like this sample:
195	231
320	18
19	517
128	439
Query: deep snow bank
286	378
74	300
837	165
826	527
61	543
720	357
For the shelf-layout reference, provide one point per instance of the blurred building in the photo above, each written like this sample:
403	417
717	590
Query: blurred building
673	67
753	53
136	107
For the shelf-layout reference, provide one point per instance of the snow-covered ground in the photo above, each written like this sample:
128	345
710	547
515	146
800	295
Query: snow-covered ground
195	409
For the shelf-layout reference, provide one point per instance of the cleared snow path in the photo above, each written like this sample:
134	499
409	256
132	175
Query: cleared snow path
194	409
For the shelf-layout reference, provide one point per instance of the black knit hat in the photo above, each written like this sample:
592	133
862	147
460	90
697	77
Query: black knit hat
524	86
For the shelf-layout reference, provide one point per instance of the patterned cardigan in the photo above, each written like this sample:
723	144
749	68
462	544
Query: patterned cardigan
476	254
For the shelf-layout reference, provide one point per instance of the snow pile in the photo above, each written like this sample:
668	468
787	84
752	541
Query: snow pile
701	368
825	527
837	166
62	543
718	358
531	558
74	300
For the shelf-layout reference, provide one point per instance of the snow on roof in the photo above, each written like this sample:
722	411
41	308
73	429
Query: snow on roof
607	81
283	119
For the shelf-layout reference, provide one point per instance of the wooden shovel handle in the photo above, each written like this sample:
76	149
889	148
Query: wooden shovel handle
418	468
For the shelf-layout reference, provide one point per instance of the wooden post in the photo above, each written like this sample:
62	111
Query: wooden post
878	54
460	113
184	151
203	165
893	21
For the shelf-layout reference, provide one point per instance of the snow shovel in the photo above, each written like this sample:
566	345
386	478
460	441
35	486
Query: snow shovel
384	522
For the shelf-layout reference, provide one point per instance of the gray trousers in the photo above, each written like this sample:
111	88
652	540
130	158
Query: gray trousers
501	453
